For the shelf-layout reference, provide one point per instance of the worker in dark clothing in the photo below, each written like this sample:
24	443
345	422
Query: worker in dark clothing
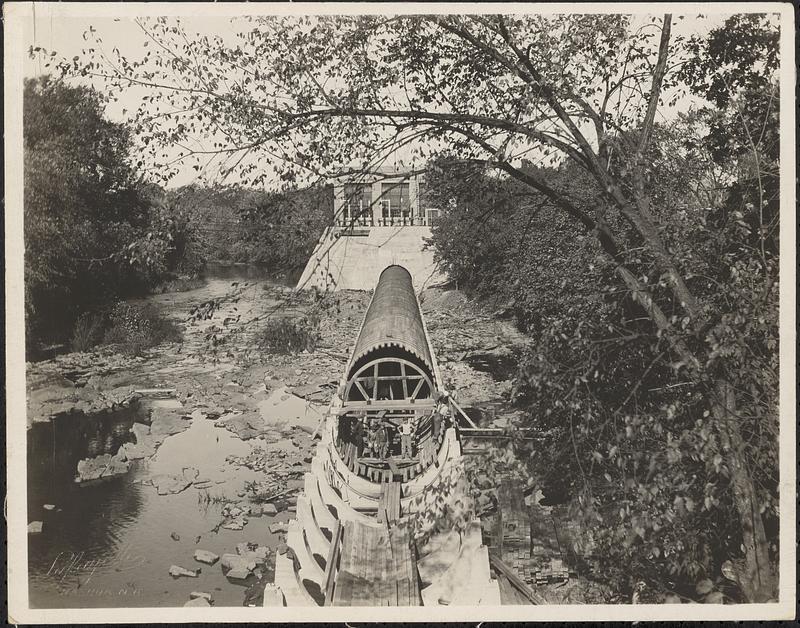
391	437
437	424
345	429
381	442
357	435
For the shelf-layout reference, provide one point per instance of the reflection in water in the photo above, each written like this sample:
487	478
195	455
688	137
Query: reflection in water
83	533
84	538
54	449
111	543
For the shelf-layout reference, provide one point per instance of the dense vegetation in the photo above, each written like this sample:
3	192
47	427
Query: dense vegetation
236	224
628	436
94	230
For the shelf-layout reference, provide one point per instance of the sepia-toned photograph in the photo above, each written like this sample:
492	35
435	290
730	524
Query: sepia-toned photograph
487	308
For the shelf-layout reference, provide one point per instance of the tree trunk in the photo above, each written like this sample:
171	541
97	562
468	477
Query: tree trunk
757	579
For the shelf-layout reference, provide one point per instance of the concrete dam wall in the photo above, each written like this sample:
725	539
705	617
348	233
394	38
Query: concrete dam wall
356	260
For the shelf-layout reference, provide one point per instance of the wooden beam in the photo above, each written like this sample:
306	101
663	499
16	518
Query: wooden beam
387	404
385	378
330	565
417	389
495	432
482	431
464	414
361	388
387	463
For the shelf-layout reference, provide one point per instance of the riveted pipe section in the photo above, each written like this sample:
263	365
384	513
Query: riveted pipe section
393	323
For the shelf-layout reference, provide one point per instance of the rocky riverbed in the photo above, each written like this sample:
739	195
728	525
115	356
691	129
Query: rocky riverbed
167	479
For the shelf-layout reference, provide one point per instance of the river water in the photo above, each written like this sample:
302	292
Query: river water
111	543
249	272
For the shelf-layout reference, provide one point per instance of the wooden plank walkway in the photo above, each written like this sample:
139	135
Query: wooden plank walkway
389	504
377	566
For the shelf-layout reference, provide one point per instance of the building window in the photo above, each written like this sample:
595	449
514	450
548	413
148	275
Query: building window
396	210
386	211
357	207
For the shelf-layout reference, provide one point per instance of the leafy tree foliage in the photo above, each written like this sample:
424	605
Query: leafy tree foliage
282	228
215	214
237	224
82	204
646	457
507	243
93	230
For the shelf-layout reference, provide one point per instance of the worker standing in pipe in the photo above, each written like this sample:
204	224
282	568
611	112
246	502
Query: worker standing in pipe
357	434
381	443
436	418
406	432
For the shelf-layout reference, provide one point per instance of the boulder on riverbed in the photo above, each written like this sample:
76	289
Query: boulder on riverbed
35	527
51	394
176	572
279	527
269	509
238	574
204	556
168	484
246	426
254	510
253	552
198	601
234	561
101	467
238	523
145	445
168	421
195	595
